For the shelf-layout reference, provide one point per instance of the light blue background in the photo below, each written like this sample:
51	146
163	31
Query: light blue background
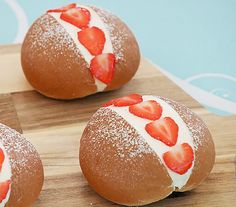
185	37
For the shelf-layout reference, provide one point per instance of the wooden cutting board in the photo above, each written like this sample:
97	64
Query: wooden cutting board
55	128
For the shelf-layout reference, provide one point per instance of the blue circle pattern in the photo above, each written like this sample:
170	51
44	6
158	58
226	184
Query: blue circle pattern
185	38
8	23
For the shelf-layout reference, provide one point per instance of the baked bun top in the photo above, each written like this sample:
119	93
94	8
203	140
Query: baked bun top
91	37
79	48
172	131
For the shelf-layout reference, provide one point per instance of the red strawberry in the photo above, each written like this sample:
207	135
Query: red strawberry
109	103
180	158
103	67
93	39
2	157
128	100
165	130
79	17
4	188
63	9
148	110
125	101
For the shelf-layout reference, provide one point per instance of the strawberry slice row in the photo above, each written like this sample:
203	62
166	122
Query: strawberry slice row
102	65
180	158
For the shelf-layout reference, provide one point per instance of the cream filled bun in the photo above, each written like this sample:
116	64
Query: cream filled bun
78	50
139	149
21	170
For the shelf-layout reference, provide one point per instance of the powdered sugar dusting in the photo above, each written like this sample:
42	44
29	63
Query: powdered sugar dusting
122	136
44	35
184	135
118	36
73	31
22	155
113	154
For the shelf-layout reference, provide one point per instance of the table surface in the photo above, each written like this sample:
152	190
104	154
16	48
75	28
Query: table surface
195	41
55	127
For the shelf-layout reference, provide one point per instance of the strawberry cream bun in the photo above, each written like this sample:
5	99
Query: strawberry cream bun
21	170
139	149
78	50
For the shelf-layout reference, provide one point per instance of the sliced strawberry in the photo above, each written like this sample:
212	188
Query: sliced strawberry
128	100
63	9
125	101
103	67
4	188
165	130
2	157
147	109
109	103
180	158
79	17
93	39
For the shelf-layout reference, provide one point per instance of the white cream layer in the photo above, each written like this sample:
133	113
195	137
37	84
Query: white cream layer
184	135
73	32
5	174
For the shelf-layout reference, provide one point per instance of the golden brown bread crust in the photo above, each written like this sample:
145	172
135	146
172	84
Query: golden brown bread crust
122	167
55	67
52	64
118	164
26	166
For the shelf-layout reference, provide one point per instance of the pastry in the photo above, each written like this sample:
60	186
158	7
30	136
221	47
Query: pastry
78	50
21	170
139	149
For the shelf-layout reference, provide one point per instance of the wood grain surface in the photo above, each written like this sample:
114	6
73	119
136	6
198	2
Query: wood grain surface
55	128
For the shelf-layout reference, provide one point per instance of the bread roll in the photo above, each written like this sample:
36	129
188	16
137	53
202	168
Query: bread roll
77	50
139	149
21	170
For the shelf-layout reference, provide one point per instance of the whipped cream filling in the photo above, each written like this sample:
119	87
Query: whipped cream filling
5	174
184	135
73	32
